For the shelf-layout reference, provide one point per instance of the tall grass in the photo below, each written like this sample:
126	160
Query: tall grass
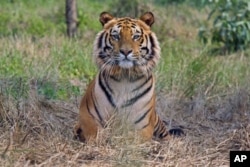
33	45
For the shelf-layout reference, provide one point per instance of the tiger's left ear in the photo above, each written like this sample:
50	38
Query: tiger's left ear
105	17
148	18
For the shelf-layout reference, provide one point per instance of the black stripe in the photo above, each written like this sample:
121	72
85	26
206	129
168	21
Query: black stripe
89	109
141	42
97	111
107	85
152	54
147	40
163	133
145	126
107	94
106	48
147	44
159	134
100	40
115	78
142	32
144	83
143	37
134	99
152	41
102	55
145	48
109	40
160	130
106	38
152	47
137	78
143	116
156	128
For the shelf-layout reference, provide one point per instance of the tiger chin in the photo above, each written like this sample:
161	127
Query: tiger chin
126	51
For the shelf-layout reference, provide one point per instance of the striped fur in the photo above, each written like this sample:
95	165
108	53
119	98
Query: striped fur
125	51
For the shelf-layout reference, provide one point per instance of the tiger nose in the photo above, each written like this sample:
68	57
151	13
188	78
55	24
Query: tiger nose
125	52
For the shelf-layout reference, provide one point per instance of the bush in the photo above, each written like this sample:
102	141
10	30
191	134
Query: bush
231	25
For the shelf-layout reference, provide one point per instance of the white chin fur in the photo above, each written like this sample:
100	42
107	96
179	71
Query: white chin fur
126	64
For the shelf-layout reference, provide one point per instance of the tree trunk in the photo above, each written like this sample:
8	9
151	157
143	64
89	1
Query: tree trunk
71	18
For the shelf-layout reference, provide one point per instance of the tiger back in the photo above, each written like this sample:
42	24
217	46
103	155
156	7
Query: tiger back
126	51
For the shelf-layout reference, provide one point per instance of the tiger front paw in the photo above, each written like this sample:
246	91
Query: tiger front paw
78	134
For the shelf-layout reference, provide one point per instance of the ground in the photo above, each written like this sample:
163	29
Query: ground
39	131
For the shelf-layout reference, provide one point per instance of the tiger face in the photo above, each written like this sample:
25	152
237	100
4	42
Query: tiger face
126	44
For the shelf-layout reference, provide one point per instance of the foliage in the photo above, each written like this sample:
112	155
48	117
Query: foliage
194	3
19	17
231	25
121	8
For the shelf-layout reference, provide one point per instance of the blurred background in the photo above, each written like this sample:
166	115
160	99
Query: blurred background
203	42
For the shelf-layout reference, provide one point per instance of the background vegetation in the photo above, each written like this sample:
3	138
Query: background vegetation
231	25
43	75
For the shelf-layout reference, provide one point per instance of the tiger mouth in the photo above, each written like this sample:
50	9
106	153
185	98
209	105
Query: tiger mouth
126	64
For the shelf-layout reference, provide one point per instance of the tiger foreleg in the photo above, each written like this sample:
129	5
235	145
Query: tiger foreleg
146	124
147	132
86	127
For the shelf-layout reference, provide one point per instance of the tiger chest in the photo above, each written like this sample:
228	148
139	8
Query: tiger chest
124	95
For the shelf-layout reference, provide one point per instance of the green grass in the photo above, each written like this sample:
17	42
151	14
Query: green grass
54	60
190	70
33	45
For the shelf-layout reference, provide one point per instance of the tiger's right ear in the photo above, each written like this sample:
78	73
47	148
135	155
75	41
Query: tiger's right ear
105	17
148	18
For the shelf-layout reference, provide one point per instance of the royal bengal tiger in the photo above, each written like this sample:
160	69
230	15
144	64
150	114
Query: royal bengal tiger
126	52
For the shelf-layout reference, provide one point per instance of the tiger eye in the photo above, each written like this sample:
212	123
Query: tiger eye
115	36
137	36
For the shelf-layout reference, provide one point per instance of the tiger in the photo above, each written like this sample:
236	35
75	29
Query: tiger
125	51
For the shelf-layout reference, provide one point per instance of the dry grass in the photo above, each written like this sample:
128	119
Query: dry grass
38	132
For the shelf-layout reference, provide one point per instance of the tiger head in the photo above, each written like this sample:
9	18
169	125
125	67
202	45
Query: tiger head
126	44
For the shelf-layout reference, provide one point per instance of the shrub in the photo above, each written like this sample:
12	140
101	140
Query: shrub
231	25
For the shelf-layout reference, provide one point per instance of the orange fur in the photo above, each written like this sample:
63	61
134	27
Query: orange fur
125	51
